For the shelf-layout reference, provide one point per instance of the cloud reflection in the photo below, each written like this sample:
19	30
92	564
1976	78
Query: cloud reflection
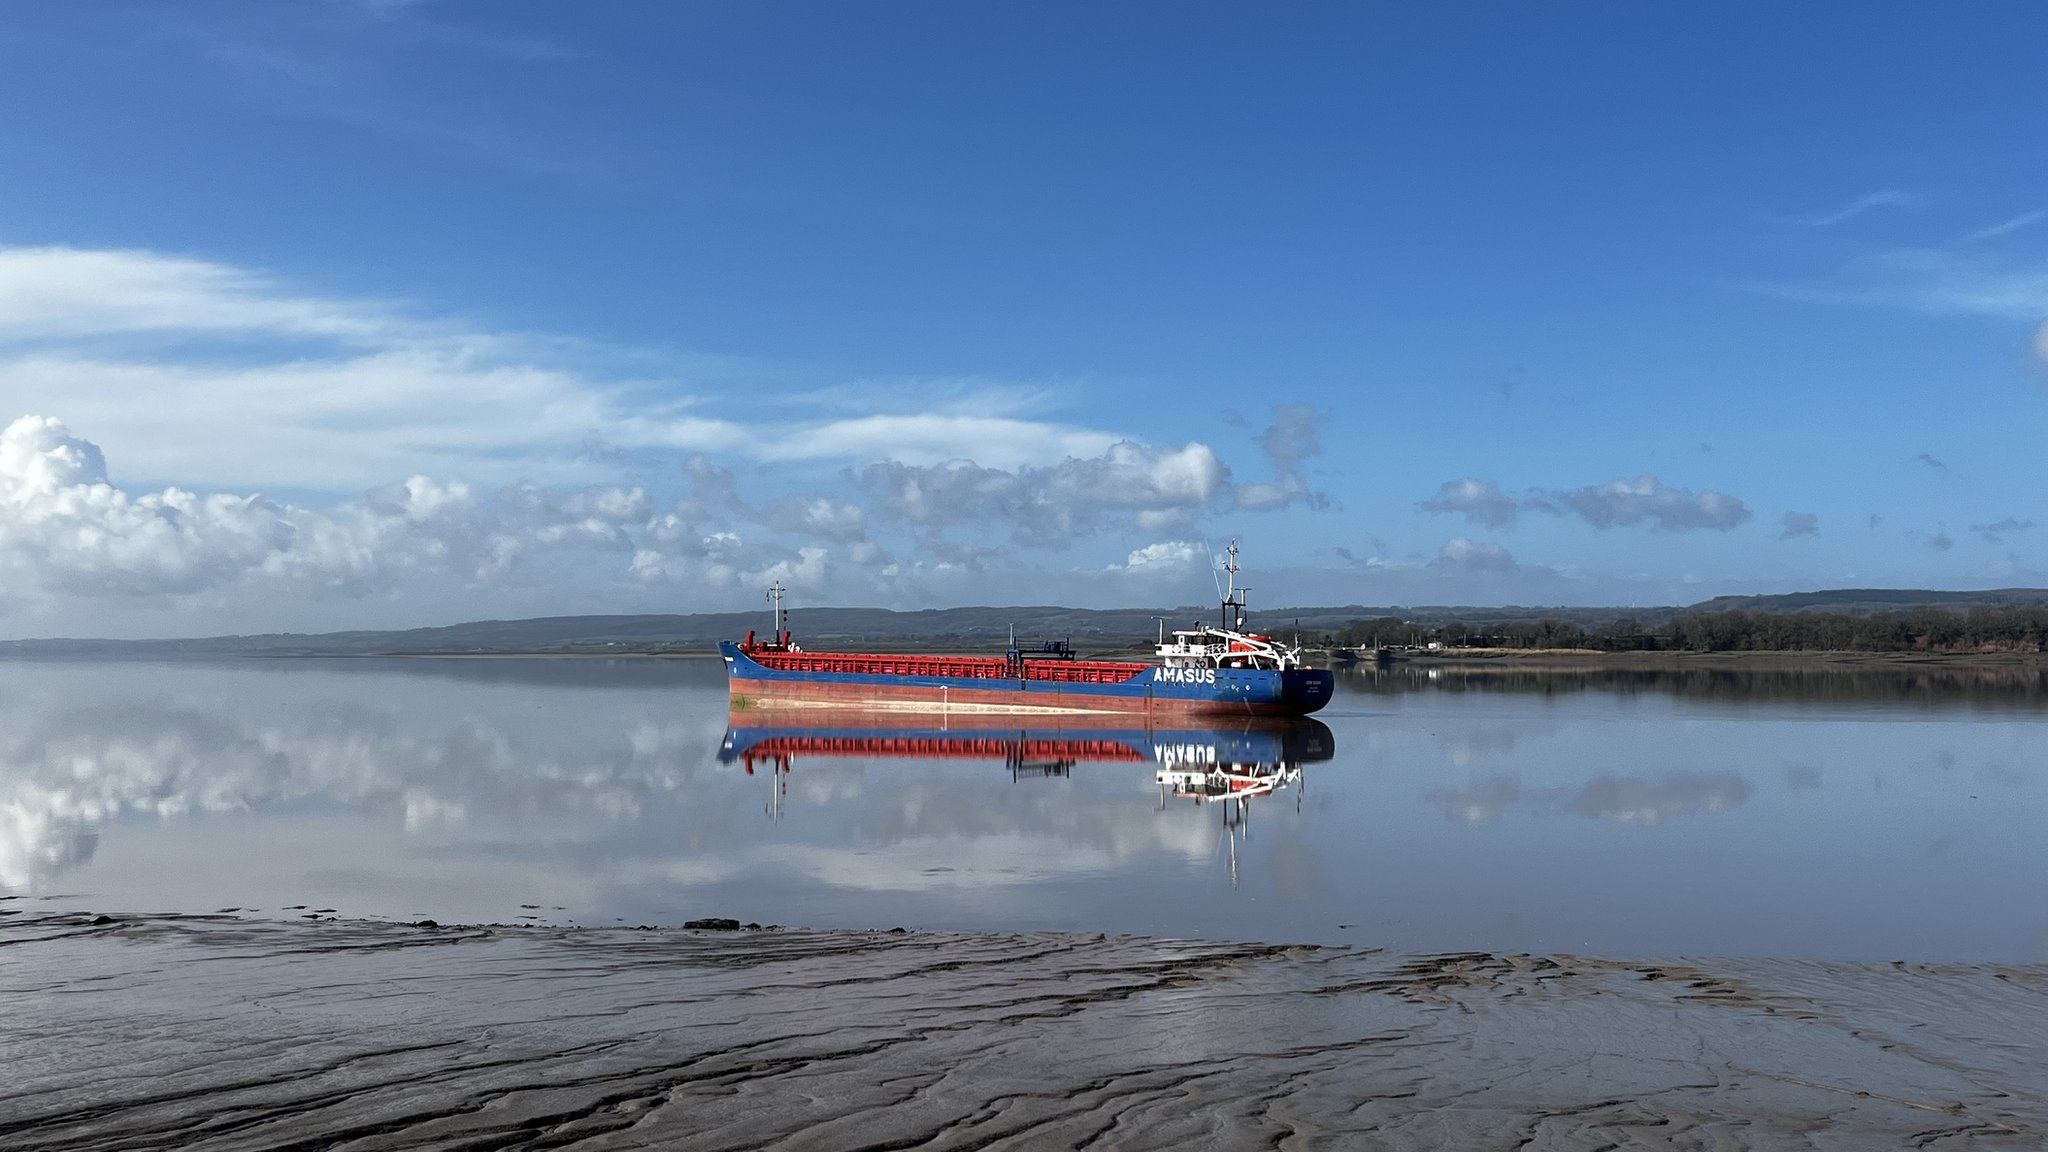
1640	800
66	771
608	788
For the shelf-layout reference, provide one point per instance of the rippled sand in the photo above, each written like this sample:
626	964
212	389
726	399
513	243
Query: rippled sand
214	1033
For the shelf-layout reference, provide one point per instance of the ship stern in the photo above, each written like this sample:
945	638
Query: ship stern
1306	690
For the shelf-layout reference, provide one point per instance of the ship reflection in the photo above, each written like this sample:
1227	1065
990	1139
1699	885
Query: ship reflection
1231	764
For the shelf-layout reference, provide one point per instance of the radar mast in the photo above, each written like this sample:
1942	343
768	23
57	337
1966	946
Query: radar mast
1233	596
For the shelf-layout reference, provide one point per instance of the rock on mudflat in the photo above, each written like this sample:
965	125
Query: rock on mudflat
714	924
380	1036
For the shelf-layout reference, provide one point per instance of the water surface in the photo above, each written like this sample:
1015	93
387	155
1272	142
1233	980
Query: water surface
1827	815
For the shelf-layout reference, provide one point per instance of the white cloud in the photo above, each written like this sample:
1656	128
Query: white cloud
1647	500
390	402
230	381
1473	556
925	439
817	516
221	376
1168	557
67	533
1294	437
349	421
1050	504
65	529
58	292
725	562
1480	501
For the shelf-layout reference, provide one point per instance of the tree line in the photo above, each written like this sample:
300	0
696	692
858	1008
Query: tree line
1914	630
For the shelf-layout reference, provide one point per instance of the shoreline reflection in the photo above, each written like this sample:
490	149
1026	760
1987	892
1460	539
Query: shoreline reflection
1880	687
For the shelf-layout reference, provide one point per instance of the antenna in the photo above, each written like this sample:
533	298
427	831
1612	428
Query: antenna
1233	599
775	591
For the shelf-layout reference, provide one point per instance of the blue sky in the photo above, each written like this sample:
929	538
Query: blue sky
916	304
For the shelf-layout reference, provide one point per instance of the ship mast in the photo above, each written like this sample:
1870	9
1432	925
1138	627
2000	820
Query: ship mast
775	591
1233	596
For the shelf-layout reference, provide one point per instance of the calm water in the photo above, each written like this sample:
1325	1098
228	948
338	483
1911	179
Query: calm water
1871	816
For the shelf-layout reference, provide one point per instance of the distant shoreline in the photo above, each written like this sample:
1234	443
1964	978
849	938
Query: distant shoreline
1531	660
1536	660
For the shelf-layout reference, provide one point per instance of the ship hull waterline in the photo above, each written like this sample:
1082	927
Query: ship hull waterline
1152	692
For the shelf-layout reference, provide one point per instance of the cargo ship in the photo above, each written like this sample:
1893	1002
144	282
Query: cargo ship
1206	670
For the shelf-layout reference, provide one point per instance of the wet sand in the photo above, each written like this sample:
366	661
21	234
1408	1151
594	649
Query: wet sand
218	1033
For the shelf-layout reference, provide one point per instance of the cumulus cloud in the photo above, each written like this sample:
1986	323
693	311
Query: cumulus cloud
1168	557
65	529
1647	500
231	382
1795	524
1294	437
1998	530
816	516
1480	501
1475	557
1048	505
724	560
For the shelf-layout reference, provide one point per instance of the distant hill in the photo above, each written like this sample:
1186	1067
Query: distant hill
1091	629
692	632
1863	601
978	627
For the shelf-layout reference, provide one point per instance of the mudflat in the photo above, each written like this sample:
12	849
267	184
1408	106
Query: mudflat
210	1032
